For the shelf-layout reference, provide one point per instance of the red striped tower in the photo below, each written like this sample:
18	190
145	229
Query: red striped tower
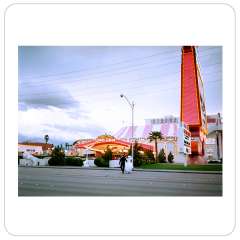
193	111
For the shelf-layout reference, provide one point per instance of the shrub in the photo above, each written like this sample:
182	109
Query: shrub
161	156
137	162
97	161
72	161
170	157
212	161
78	162
69	160
57	157
105	164
149	154
101	162
145	160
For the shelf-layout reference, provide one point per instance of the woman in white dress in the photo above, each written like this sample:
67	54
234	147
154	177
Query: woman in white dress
128	165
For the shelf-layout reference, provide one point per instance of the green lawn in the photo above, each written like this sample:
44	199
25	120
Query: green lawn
181	167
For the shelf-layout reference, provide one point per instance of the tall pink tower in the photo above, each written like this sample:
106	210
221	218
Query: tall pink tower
193	111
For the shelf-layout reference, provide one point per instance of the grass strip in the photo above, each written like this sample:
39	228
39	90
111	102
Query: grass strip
182	167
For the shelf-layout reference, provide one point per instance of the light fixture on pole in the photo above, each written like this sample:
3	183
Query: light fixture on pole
132	106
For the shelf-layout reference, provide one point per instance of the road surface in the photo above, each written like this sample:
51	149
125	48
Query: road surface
36	181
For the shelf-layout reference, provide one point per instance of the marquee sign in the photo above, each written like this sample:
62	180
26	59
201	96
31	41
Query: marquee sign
164	120
184	139
105	140
193	110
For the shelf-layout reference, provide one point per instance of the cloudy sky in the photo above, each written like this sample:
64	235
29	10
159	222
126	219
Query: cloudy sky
74	92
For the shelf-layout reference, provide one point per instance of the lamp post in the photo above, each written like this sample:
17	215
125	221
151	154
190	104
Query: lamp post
132	106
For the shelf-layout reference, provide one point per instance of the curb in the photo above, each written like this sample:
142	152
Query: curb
118	169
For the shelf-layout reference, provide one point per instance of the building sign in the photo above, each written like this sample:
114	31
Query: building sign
105	139
164	120
186	126
184	139
210	141
210	149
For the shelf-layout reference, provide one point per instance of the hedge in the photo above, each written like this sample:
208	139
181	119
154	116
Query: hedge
101	162
72	161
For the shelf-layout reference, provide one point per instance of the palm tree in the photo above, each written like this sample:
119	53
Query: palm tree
46	137
154	136
66	145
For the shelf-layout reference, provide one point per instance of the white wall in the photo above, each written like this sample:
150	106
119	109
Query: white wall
213	135
160	146
42	162
170	147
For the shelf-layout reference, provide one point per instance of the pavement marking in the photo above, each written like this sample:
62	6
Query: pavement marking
129	176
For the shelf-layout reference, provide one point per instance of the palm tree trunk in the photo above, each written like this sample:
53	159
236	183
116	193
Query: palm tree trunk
156	151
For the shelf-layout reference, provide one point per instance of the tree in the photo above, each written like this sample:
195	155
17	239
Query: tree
75	142
57	156
108	154
155	136
161	156
149	154
170	157
137	156
46	137
66	145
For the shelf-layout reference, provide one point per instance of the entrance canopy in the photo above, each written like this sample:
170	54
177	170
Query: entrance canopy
100	144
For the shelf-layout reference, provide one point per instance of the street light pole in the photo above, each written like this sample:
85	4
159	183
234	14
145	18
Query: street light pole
132	106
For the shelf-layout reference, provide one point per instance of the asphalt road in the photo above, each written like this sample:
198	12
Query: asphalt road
35	181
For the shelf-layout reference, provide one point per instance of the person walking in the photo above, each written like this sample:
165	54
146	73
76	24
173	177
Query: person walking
122	163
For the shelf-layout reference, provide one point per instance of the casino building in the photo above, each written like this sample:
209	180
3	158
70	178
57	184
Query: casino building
168	125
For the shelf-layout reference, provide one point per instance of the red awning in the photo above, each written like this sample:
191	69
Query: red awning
102	141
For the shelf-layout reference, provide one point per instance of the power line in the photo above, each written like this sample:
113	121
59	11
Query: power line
108	91
113	90
107	71
107	65
125	82
93	87
100	66
176	102
116	91
101	77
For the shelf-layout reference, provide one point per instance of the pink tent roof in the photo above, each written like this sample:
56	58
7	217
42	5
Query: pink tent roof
143	131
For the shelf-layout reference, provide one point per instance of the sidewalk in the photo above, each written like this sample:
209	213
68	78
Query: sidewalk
135	169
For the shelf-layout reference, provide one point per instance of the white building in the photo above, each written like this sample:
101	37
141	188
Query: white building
30	149
214	140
